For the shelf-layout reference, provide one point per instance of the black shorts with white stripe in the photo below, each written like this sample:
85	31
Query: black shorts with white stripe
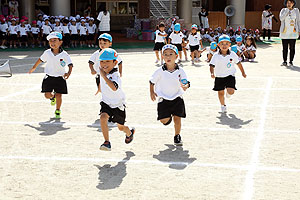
167	108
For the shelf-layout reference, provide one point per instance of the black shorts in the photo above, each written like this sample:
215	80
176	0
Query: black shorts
3	35
179	47
226	82
56	84
35	36
13	37
158	46
115	114
24	38
83	37
167	108
194	48
44	38
74	37
91	36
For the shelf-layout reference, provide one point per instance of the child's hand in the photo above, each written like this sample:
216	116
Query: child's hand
153	96
66	76
31	70
212	76
244	75
102	72
93	72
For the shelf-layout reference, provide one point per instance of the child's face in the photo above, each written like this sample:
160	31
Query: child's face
82	23
103	44
224	45
239	43
169	56
13	22
91	22
108	65
55	43
193	30
73	22
46	22
33	25
248	41
57	23
162	29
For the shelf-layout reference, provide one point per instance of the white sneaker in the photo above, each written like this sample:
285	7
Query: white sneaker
193	62
228	95
223	109
251	60
2	47
156	61
162	62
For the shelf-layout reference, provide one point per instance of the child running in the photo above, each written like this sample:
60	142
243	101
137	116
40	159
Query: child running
160	40
212	49
113	98
177	38
55	80
222	69
195	41
168	83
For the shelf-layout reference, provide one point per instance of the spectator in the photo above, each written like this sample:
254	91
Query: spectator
87	12
104	18
267	17
203	18
14	8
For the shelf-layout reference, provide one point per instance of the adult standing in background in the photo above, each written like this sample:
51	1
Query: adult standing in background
267	17
104	18
87	12
13	8
203	18
289	29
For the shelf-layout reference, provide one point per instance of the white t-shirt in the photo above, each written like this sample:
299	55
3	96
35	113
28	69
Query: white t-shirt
46	29
3	27
94	59
194	40
224	65
82	30
168	84
23	30
251	48
65	29
241	48
176	38
58	28
209	51
73	30
56	64
13	30
115	99
40	23
159	38
91	29
35	30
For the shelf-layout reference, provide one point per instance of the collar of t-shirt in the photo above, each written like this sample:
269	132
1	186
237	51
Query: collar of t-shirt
164	67
228	53
59	51
113	70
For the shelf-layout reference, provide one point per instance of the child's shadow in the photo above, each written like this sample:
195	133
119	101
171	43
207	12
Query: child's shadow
111	177
176	157
96	124
232	121
293	68
56	126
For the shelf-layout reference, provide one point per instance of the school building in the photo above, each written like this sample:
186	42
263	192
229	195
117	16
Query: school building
123	12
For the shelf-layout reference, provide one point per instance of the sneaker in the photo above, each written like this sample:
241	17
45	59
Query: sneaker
53	101
156	61
105	146
57	114
193	62
129	139
223	109
177	140
284	64
2	47
162	62
186	59
291	63
179	61
251	60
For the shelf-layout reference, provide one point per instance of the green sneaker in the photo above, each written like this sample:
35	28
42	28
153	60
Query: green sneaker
57	114
53	101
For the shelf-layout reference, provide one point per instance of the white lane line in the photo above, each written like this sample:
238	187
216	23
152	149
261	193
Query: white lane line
152	162
249	181
19	93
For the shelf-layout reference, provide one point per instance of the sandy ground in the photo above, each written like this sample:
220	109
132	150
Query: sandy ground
250	153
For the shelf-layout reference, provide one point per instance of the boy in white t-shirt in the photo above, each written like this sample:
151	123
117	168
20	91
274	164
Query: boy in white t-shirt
168	83
91	27
160	41
177	38
113	98
83	33
222	69
195	41
13	33
45	31
54	83
211	50
23	33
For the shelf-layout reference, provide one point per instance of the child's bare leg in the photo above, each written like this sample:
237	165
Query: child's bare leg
251	55
58	97
166	121
49	95
177	124
180	55
230	91
209	56
161	54
221	97
125	129
192	54
104	127
185	54
246	54
157	55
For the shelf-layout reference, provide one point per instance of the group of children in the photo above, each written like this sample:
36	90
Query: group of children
245	46
167	84
76	31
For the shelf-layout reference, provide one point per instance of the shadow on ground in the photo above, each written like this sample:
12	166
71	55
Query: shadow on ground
175	156
232	121
96	124
111	177
50	127
293	68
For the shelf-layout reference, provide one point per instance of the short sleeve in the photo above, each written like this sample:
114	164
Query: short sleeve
155	77
183	74
115	78
119	59
44	57
189	38
68	59
93	58
236	58
213	60
171	36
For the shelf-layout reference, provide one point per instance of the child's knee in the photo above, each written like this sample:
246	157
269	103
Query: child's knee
104	117
166	121
121	127
230	91
48	95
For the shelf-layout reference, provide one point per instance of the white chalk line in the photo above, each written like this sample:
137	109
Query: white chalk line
18	93
249	181
149	126
141	162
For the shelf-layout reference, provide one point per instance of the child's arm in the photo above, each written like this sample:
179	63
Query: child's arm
212	71
91	65
242	69
153	95
39	61
201	44
169	41
109	82
66	75
120	68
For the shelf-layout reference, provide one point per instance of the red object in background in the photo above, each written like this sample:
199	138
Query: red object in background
147	36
